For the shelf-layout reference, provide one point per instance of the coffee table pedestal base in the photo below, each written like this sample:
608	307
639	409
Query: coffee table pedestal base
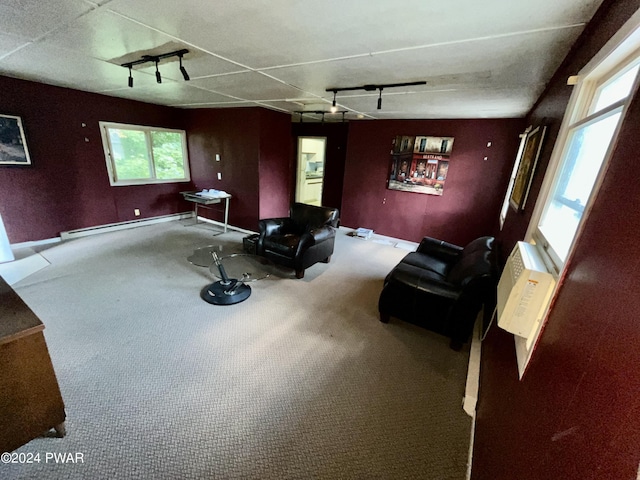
219	294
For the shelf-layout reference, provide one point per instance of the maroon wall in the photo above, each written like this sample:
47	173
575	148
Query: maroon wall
233	134
575	413
67	187
276	163
255	155
473	191
335	157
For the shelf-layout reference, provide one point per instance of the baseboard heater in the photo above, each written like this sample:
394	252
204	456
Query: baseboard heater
110	227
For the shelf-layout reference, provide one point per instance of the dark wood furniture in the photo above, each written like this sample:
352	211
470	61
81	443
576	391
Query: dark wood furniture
30	399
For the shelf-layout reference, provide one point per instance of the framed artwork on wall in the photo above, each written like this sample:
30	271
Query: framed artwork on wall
526	168
13	145
419	164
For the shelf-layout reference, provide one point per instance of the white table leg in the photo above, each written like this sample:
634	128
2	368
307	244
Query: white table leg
226	214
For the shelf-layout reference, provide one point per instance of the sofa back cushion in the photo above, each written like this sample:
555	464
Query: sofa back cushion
479	244
471	266
308	217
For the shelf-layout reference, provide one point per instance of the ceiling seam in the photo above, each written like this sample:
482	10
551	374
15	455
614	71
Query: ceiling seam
420	47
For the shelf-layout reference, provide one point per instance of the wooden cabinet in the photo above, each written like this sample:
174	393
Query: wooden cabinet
30	399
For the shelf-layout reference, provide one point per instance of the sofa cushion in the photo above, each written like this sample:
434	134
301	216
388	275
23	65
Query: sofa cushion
283	244
421	280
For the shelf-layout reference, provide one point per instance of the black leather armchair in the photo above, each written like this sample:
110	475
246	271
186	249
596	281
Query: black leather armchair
304	238
442	287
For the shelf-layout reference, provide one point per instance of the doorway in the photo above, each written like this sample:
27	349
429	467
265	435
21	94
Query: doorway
310	171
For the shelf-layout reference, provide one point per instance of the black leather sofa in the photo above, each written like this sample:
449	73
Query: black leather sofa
305	237
442	287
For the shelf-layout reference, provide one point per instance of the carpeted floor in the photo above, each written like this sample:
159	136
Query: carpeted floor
301	381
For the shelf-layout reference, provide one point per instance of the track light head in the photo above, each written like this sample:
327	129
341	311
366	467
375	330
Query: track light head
130	78
158	76
183	70
380	100
334	98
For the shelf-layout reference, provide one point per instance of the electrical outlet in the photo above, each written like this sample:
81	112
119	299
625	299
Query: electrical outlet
136	212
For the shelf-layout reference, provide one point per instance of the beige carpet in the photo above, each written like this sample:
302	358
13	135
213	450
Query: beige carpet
301	381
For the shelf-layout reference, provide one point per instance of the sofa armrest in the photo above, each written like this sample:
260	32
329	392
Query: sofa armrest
445	251
320	234
314	237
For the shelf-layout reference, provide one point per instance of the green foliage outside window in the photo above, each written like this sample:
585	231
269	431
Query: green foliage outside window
136	156
130	155
167	154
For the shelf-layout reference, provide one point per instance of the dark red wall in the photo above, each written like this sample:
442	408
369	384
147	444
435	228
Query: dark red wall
68	186
255	156
335	157
232	133
575	413
276	163
473	191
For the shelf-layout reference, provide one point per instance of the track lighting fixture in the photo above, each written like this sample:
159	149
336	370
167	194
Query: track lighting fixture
156	59
373	88
322	113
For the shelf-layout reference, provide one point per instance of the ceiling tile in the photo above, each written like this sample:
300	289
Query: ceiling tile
32	19
487	58
292	32
9	43
170	93
56	66
525	59
248	86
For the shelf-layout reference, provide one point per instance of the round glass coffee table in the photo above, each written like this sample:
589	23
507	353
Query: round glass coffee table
233	271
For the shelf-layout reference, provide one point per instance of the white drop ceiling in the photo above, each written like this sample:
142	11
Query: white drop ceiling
481	59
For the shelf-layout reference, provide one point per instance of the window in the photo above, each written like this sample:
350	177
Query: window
139	155
584	145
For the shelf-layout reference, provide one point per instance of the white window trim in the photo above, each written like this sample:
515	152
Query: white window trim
505	202
106	145
618	50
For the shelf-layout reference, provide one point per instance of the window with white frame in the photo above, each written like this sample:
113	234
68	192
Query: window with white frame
581	153
138	155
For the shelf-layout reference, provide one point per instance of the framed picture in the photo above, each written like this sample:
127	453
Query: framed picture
419	164
526	168
13	145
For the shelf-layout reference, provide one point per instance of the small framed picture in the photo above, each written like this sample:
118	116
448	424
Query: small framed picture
13	145
527	167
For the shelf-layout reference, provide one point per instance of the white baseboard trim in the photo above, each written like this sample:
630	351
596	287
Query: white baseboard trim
35	243
473	385
112	227
473	372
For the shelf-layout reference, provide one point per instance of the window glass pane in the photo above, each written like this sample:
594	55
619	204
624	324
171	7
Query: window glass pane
615	90
129	152
167	155
585	154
